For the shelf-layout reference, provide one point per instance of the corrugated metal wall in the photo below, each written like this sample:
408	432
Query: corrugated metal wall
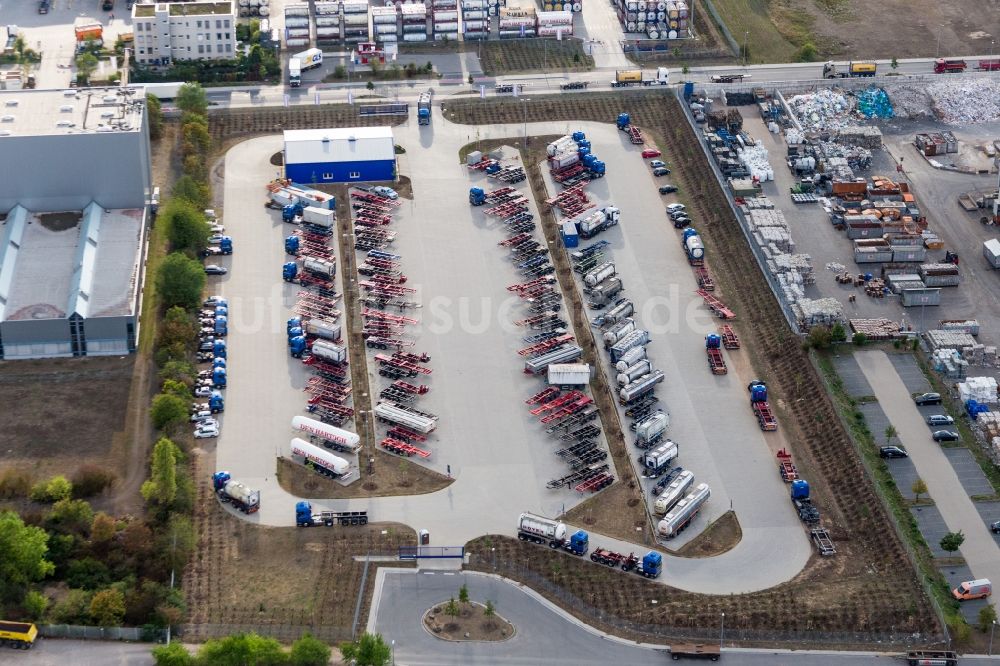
342	172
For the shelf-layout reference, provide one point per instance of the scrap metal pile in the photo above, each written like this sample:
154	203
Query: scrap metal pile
957	100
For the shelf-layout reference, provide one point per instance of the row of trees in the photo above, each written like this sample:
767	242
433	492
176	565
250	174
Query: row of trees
245	649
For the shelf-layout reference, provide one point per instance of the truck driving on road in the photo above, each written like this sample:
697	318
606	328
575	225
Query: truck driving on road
633	77
860	68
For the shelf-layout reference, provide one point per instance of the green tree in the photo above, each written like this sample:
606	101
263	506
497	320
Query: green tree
890	432
107	608
368	650
174	654
370	86
191	98
175	386
859	339
70	516
952	541
340	72
186	225
180	280
177	326
196	137
807	53
189	189
309	651
242	650
819	337
463	594
161	488
103	528
918	488
22	554
53	490
987	617
35	604
894	64
168	410
451	608
86	64
176	541
490	613
154	112
838	333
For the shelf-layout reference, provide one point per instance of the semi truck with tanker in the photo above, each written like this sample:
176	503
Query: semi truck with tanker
634	77
328	435
319	459
853	69
230	491
675	491
657	460
640	387
684	511
553	533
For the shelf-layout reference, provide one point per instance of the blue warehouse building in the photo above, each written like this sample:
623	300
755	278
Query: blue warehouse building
341	155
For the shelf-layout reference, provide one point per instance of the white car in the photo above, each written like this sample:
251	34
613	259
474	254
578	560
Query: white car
215	239
203	391
672	208
206	432
216	228
207	423
386	192
201	416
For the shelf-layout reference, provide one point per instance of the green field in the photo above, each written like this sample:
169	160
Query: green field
772	29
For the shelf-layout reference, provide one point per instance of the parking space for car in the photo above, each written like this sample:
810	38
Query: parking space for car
932	526
955	576
904	474
990	512
969	473
908	370
850	374
876	420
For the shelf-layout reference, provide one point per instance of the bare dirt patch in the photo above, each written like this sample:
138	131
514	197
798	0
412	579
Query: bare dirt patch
87	399
720	536
471	623
393	476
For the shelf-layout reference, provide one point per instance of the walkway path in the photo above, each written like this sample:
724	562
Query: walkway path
979	550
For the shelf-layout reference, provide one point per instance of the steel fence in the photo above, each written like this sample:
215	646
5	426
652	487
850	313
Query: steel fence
663	633
284	633
758	252
80	632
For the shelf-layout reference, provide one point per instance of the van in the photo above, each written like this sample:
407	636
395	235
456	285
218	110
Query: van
940	420
973	589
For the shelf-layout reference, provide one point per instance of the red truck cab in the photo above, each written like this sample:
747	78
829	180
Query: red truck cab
989	65
943	66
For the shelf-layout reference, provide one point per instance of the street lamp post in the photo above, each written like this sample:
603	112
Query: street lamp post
746	54
938	45
393	644
722	631
992	629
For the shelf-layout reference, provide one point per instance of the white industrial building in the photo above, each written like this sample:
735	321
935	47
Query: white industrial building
72	221
343	155
169	31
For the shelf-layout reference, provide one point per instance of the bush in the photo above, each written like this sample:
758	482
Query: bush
90	480
55	489
859	339
72	609
107	608
70	516
309	651
14	483
819	337
180	280
35	604
168	410
174	654
88	574
807	53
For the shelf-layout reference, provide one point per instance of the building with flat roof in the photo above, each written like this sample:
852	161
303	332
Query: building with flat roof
341	155
169	31
72	221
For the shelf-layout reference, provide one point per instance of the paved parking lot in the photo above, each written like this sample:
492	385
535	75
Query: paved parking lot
854	380
932	526
910	373
969	472
904	474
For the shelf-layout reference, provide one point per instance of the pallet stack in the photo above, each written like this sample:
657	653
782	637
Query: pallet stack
817	312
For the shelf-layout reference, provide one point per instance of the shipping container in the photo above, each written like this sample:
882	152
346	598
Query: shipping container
921	297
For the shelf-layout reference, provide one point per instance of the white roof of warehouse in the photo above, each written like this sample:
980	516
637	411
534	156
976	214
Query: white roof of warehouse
342	144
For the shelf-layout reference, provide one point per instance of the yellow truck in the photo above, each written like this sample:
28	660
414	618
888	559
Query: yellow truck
630	77
18	635
858	68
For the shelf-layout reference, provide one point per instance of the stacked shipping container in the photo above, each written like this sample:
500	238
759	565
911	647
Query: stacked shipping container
327	23
296	25
355	21
475	19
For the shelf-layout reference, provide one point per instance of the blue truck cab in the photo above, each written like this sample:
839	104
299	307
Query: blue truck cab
297	346
226	245
221	325
303	514
215	403
623	121
289	271
578	544
652	564
219	349
293	322
219	378
290	212
477	197
292	245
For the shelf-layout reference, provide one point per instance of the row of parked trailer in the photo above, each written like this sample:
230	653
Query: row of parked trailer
563	406
387	307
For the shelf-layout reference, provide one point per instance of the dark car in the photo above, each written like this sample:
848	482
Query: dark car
995	527
668	189
212	269
893	452
928	399
661	171
945	436
43	7
681	222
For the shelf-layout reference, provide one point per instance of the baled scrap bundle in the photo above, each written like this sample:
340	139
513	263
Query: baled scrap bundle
755	159
817	312
863	136
823	109
981	389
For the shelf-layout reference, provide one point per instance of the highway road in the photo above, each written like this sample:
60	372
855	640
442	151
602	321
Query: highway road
542	83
